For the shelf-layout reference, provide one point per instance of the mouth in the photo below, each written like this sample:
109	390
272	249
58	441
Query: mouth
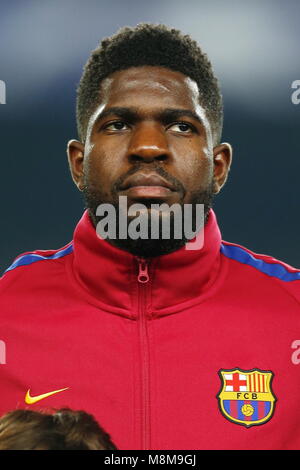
148	191
143	185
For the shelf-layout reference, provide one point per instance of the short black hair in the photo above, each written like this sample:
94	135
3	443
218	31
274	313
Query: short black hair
149	44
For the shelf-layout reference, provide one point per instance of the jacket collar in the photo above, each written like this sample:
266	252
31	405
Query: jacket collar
110	275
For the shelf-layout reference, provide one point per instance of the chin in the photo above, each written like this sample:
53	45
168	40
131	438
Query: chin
148	248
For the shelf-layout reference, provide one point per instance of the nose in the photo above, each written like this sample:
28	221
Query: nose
148	143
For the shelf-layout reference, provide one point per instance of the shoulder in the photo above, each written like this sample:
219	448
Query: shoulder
37	260
263	263
260	268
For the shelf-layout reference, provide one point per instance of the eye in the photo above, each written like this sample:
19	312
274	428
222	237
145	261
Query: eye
116	126
182	127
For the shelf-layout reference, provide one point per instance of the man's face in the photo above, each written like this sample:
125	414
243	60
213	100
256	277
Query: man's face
149	140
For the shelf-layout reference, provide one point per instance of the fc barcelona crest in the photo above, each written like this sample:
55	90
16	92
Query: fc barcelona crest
246	396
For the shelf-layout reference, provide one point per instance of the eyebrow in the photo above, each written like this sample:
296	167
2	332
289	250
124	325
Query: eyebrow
132	115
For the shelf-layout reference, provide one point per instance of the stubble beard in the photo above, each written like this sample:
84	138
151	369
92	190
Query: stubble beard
149	247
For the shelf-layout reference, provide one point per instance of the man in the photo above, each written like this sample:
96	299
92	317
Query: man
168	347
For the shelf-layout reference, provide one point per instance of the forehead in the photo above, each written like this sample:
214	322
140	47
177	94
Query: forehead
148	85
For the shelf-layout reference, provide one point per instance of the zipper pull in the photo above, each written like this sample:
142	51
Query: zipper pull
143	275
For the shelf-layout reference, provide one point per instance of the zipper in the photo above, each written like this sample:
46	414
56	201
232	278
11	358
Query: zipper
143	283
143	275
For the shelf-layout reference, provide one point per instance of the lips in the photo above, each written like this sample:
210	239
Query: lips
150	179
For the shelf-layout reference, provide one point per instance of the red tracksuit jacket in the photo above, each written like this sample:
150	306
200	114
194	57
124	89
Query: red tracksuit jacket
204	355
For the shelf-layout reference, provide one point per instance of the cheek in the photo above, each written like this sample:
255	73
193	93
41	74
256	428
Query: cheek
196	169
205	166
105	159
99	169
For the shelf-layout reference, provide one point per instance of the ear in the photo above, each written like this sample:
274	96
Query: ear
222	162
75	151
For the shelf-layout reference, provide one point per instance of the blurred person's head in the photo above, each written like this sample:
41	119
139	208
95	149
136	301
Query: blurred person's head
65	429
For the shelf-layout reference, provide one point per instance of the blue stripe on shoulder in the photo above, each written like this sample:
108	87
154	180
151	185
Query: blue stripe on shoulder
271	269
34	257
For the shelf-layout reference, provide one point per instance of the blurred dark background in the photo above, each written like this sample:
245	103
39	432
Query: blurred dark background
254	48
